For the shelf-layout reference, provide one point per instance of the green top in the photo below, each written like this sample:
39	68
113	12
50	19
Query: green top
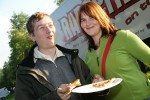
121	62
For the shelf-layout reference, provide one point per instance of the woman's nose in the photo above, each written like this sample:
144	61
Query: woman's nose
88	22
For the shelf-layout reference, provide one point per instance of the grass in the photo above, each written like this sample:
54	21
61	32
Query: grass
10	97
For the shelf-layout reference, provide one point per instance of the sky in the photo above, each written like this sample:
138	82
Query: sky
7	8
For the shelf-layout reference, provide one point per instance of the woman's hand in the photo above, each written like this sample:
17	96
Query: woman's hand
97	78
64	91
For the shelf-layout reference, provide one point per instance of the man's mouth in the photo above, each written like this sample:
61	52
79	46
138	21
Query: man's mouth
49	37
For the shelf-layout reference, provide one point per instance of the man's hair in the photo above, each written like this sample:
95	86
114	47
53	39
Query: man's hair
34	18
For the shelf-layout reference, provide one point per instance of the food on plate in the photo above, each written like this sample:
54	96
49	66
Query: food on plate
102	84
75	83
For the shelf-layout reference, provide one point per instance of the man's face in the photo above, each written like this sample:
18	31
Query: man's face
44	33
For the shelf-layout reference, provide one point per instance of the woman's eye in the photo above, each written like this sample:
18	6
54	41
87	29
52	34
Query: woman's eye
82	20
92	18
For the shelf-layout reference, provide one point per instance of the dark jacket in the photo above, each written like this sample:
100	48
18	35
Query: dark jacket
31	84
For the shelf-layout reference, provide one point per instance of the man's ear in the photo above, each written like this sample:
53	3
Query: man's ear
31	36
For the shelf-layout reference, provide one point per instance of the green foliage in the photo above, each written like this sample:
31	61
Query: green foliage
59	2
1	74
19	44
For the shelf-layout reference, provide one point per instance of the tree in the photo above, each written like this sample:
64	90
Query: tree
4	78
19	44
1	73
59	2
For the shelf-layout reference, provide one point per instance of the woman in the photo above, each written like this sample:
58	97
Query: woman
121	59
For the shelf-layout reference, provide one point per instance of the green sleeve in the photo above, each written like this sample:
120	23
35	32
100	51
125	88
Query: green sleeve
137	48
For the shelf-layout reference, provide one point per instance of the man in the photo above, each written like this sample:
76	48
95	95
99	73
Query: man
48	68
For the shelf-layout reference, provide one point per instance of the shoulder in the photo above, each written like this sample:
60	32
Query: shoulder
126	37
67	50
125	33
121	32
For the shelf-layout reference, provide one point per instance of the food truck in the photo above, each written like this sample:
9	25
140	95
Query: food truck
133	15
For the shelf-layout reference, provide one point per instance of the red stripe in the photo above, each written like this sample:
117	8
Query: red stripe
105	55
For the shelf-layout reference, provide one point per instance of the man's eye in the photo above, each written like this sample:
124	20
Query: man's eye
50	25
41	27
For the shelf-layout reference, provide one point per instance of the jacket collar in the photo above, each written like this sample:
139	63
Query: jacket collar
28	61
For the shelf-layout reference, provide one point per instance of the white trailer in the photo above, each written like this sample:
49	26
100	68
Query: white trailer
125	14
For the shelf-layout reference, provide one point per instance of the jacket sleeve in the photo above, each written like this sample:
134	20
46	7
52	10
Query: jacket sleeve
50	96
28	88
82	71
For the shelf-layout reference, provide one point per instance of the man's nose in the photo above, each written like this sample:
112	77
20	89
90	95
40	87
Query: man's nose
48	29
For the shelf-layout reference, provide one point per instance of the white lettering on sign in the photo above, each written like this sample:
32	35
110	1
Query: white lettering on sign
69	25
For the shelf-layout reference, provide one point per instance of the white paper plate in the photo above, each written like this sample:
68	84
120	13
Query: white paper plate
89	88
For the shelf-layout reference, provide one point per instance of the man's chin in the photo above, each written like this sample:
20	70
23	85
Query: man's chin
53	46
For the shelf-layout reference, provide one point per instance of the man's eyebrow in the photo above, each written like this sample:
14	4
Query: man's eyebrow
51	23
40	25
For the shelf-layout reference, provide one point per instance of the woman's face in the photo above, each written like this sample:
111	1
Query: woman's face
90	25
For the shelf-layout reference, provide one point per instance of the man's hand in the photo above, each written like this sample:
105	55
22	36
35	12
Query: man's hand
64	92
